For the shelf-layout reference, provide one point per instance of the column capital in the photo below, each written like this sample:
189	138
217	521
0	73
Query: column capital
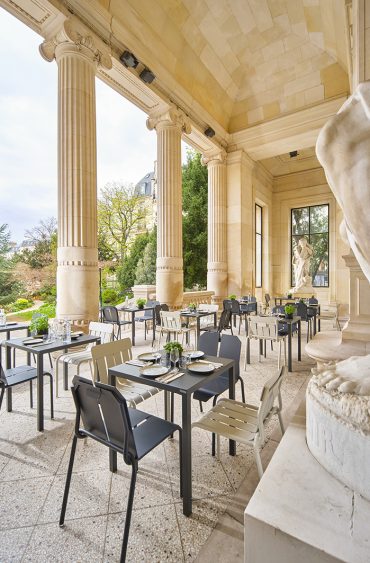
240	157
74	35
169	116
214	156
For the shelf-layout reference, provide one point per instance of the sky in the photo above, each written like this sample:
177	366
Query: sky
126	149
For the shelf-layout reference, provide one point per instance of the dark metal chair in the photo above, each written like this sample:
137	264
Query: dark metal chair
224	323
230	347
306	315
22	374
110	315
148	315
208	343
107	419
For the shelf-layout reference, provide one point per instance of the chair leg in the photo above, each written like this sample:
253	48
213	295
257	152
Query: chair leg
213	444
218	446
51	394
2	395
31	395
285	358
68	481
201	406
279	354
50	361
258	461
242	389
181	464
281	422
129	513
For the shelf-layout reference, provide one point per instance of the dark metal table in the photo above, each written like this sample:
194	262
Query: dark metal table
133	311
290	300
40	350
198	315
184	386
290	323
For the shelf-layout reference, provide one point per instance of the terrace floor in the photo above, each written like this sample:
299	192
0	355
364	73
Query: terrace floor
33	469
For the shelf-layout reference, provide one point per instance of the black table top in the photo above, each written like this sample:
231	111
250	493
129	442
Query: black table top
187	383
9	326
48	347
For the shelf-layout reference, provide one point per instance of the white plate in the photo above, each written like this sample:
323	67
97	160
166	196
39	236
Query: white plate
147	357
200	367
154	371
196	354
30	341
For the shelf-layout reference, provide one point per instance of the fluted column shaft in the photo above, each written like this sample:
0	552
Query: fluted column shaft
77	57
169	279
217	241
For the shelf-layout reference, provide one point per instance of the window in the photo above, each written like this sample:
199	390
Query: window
258	235
312	223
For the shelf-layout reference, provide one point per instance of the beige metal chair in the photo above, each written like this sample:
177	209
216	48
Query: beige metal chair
171	324
265	329
105	356
245	423
79	357
330	312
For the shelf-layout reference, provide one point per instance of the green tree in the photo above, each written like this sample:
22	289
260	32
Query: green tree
194	202
9	287
126	272
121	214
146	267
44	239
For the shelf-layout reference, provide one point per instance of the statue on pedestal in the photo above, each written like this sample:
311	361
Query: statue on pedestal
301	264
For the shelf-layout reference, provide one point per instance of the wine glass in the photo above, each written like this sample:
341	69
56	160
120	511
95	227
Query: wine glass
174	356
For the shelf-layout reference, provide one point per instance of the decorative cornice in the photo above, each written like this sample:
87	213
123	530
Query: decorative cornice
218	156
74	33
169	116
241	157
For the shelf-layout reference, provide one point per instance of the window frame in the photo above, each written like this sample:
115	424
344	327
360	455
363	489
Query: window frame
256	235
308	235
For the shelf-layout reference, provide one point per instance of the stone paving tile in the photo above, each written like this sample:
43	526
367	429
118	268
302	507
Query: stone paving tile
21	501
13	544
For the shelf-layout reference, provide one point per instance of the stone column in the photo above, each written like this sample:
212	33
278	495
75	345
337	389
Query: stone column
240	234
217	235
77	56
169	126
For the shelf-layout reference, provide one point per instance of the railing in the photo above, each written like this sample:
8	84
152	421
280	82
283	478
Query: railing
197	297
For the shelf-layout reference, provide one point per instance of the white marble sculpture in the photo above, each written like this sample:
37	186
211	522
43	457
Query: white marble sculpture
343	149
301	264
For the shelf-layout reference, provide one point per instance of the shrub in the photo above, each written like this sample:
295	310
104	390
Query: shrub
109	295
48	309
20	304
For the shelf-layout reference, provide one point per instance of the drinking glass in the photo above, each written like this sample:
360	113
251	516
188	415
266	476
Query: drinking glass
174	356
157	357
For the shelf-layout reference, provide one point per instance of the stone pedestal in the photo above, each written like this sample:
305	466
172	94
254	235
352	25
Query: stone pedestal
217	249
169	281
144	292
358	325
77	56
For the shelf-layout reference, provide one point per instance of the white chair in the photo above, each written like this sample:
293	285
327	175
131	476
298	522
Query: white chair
79	357
171	324
245	423
105	356
204	321
265	329
330	312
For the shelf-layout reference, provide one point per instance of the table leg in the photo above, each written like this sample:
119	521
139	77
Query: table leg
232	445
290	347
65	372
153	328
28	353
133	327
214	320
8	363
198	333
186	454
167	397
40	392
112	453
314	324
248	351
299	341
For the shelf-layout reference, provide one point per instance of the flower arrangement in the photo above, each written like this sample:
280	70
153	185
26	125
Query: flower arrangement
174	345
140	303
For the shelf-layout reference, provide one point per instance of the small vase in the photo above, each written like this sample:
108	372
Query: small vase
288	315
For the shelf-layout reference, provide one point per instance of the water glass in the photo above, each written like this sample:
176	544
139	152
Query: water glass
165	360
174	356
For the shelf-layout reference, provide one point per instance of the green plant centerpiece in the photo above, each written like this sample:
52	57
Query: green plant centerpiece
232	296
174	345
289	311
39	324
289	295
192	307
140	303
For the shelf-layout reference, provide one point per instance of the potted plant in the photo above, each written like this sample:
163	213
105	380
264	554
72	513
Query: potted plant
232	296
289	311
140	303
192	307
174	351
289	295
39	324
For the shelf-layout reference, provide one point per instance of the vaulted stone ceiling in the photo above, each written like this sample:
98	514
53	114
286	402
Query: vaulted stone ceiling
243	61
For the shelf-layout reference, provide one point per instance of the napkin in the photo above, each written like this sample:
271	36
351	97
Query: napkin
138	363
215	364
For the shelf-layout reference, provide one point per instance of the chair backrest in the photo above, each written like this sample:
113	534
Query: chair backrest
104	330
225	320
157	313
313	301
301	310
104	414
270	392
208	343
170	320
267	299
227	305
108	355
278	309
208	307
230	347
265	328
235	306
110	314
164	307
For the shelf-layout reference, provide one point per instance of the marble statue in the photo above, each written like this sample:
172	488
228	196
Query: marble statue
301	264
343	149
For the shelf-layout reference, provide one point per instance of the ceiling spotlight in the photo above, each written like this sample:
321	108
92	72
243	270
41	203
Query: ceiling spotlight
129	59
209	132
293	154
147	76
